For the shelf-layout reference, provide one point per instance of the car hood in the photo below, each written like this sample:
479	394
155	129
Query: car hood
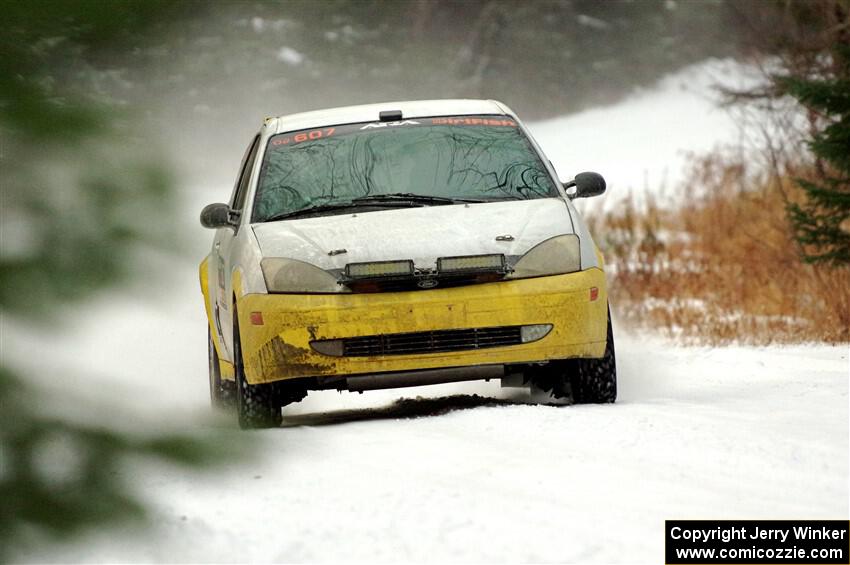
421	234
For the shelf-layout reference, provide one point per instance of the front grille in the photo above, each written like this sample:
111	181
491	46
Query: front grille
406	284
438	341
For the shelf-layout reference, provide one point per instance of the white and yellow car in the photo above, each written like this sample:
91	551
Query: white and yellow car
402	244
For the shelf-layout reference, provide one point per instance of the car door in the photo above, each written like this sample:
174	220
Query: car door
224	251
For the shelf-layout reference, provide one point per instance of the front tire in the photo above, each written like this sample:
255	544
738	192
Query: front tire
595	381
583	381
256	405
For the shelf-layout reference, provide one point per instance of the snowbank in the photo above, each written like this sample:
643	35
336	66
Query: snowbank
642	144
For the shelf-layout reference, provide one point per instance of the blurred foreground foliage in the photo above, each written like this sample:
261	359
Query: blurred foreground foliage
80	186
59	476
81	191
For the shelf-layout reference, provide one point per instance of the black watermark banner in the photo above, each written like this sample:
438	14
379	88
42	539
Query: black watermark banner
818	542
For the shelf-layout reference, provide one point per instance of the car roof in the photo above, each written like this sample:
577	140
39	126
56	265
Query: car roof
369	113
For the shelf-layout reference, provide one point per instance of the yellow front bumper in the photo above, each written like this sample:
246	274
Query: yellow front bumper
280	348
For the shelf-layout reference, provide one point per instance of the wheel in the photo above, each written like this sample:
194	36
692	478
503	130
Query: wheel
256	405
584	381
221	391
595	382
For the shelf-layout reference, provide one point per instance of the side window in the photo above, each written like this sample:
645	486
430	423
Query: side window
241	189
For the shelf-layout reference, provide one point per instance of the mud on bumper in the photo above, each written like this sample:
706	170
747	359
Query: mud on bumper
280	348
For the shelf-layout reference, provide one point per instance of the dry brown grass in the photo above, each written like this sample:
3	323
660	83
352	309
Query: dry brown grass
721	267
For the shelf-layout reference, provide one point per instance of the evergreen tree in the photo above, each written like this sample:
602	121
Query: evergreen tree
61	241
822	222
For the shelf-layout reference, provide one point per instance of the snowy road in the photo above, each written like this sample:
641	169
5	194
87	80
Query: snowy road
697	433
731	433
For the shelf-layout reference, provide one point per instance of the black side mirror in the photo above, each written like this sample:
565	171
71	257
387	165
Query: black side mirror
586	185
216	216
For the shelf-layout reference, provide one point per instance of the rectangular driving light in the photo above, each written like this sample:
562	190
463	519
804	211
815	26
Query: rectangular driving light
379	269
472	263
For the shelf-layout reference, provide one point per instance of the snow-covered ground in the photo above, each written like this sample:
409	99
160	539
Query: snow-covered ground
734	432
442	476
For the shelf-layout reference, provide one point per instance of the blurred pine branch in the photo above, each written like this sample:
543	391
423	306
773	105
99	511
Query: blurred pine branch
77	196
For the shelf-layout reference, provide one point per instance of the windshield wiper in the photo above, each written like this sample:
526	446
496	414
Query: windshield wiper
411	197
400	199
321	208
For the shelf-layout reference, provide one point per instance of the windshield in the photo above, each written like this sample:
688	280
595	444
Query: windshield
466	157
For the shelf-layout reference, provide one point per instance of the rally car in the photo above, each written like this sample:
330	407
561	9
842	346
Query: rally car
402	244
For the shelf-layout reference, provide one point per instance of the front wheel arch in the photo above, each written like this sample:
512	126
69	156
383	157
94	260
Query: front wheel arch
257	406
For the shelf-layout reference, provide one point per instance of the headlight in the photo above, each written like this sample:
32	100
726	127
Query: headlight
555	256
291	275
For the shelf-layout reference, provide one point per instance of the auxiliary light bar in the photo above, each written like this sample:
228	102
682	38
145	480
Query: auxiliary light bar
465	263
379	269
